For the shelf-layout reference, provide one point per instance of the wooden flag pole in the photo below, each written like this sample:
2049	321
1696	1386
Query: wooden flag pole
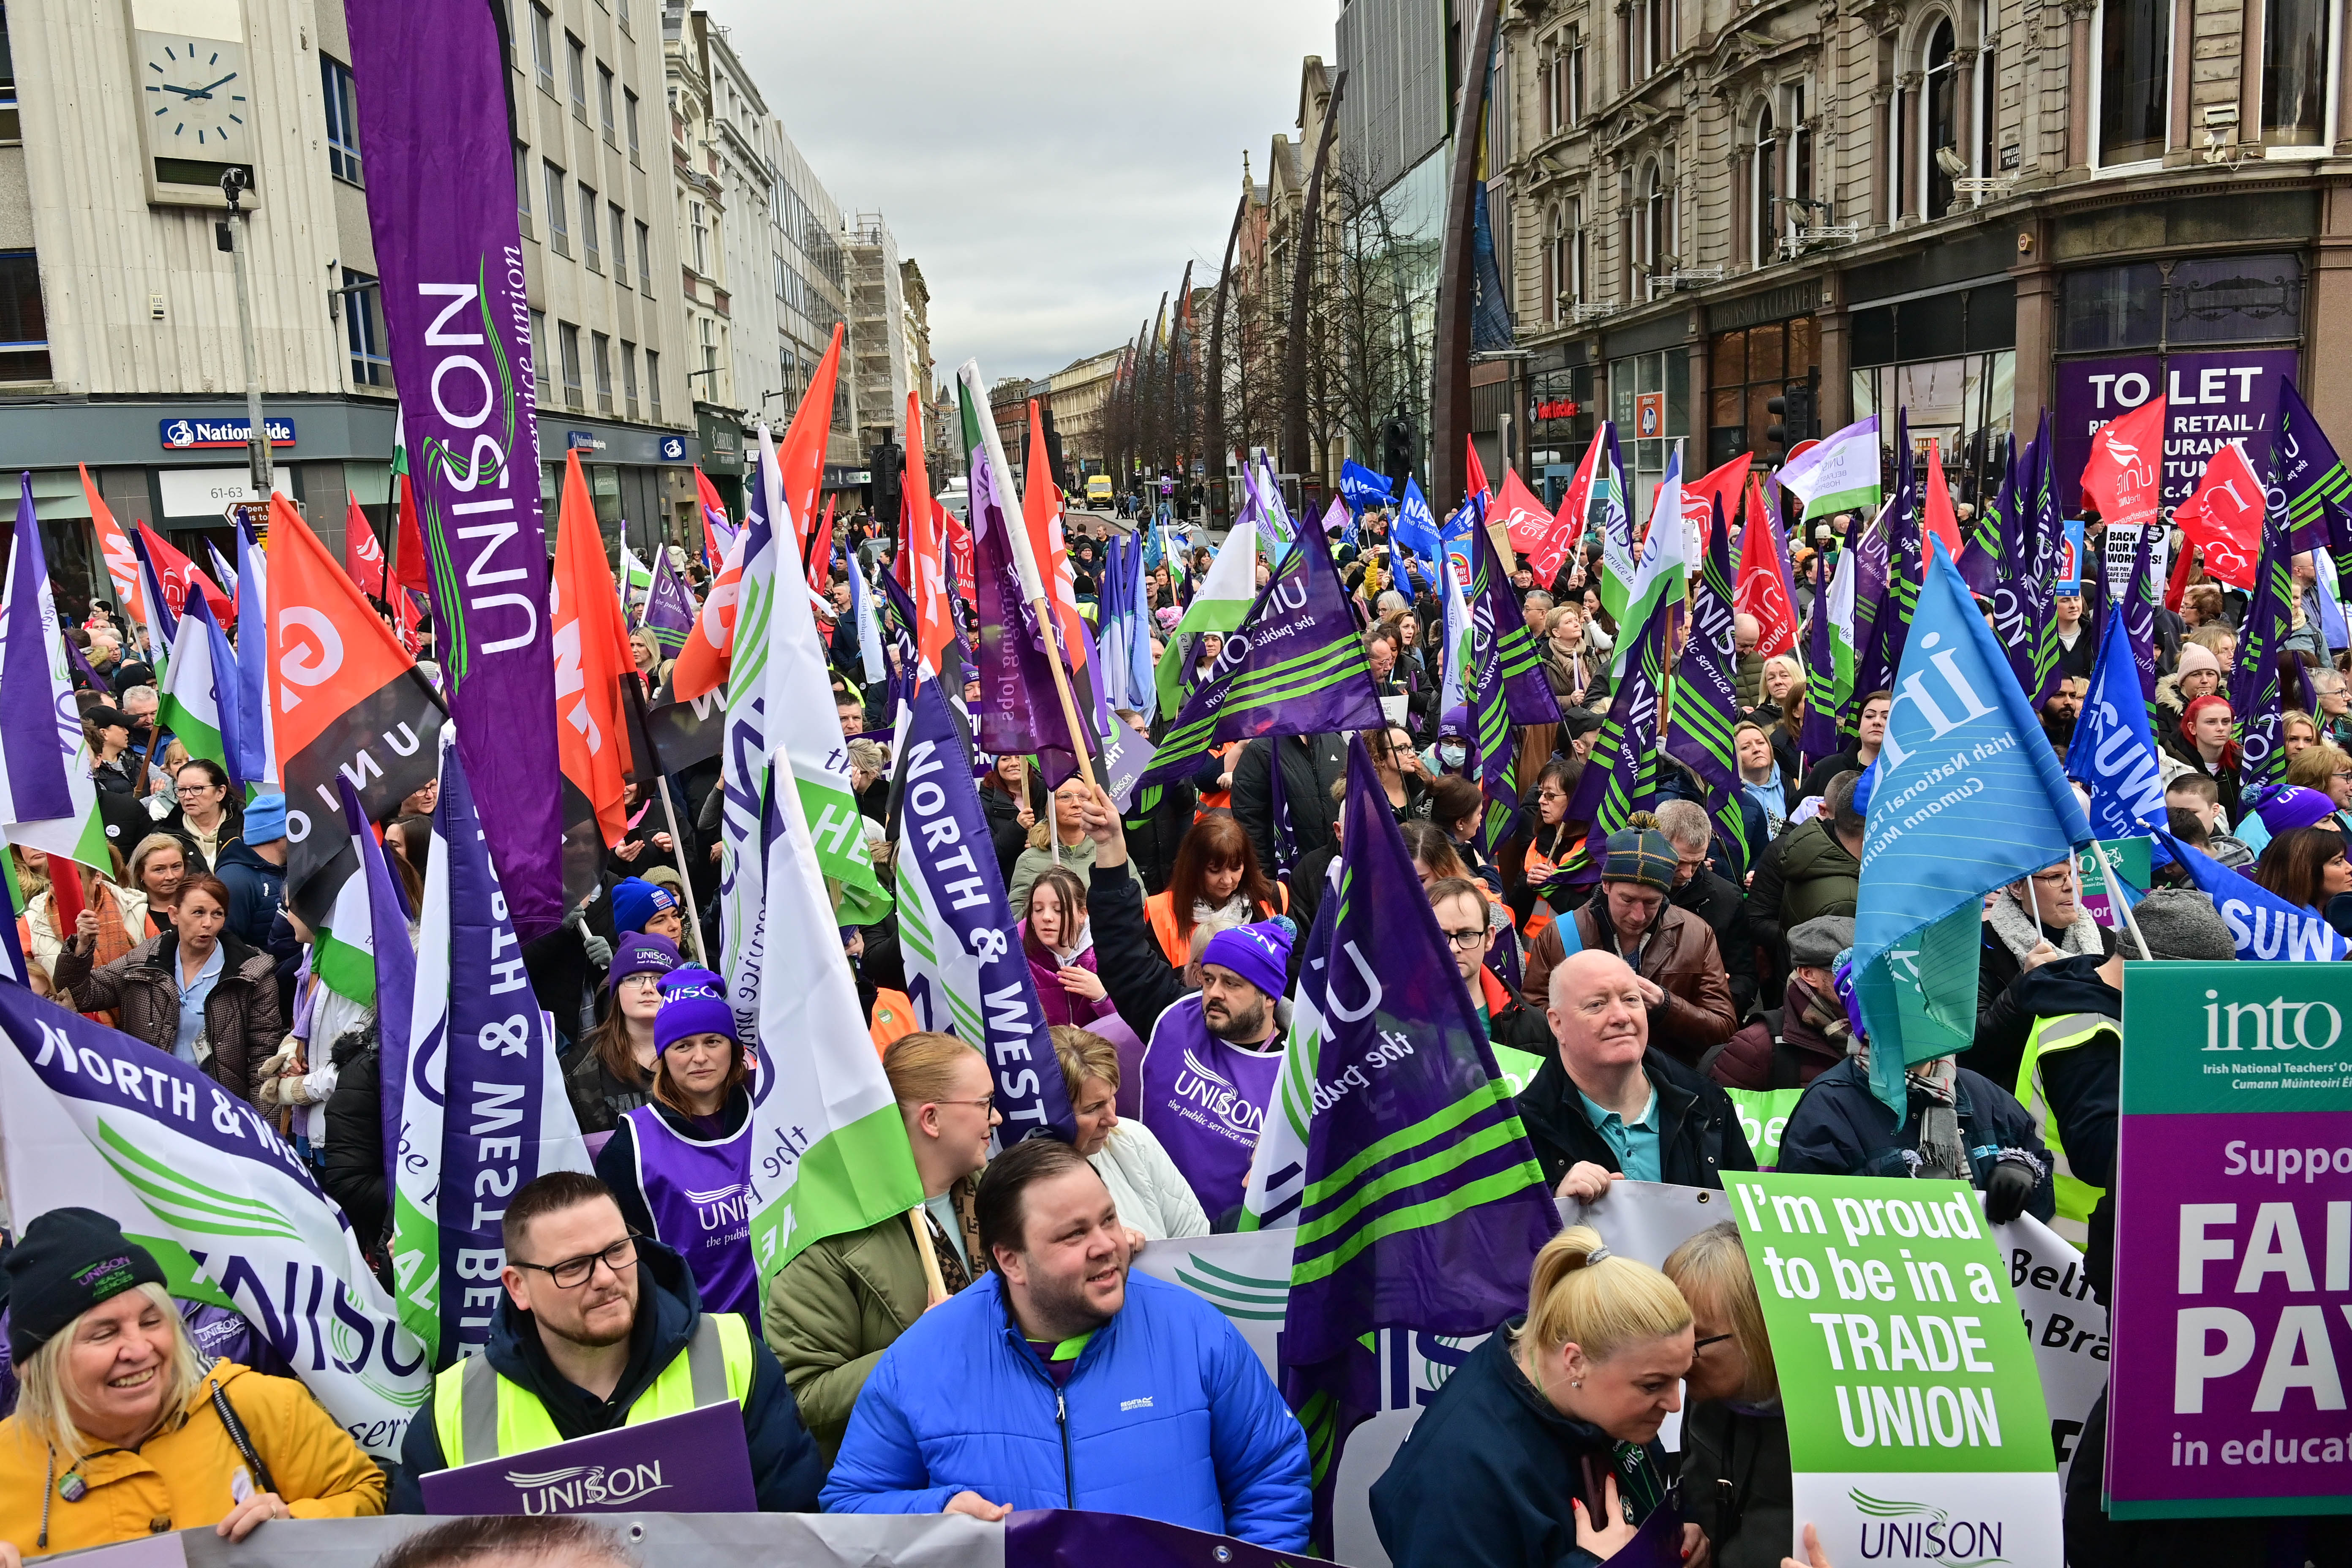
934	1282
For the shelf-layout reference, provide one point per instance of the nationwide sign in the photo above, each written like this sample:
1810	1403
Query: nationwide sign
202	434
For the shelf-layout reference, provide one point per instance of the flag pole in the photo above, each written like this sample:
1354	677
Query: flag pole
649	774
934	1282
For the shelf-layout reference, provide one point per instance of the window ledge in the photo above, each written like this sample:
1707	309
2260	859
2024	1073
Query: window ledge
2292	153
2122	171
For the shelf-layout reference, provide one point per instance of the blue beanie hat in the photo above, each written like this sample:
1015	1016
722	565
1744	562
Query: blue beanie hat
1259	954
265	819
639	954
637	901
694	1002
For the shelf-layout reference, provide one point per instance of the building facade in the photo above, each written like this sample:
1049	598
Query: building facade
1973	209
876	359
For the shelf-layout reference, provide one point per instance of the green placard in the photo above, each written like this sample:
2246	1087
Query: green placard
1899	1343
2132	862
1518	1067
1763	1113
2236	1037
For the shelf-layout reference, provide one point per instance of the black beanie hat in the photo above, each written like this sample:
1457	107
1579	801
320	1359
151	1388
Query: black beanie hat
69	1262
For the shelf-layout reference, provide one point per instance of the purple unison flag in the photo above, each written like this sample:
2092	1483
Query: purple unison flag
2256	703
433	96
1506	685
699	1462
669	608
82	666
395	970
1874	608
1819	736
163	629
1295	666
1702	704
2016	595
1019	710
1424	1204
1621	777
966	972
39	737
2136	614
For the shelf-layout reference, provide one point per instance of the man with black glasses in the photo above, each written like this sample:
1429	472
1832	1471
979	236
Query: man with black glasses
590	1327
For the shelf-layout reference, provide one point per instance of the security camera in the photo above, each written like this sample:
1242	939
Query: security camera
233	180
1952	164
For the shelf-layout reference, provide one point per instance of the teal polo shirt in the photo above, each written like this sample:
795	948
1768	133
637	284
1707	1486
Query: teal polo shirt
1636	1143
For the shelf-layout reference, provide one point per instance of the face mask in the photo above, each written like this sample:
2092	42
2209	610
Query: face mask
1451	755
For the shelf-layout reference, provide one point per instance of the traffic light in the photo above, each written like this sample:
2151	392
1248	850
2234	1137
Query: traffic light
886	466
1777	432
1792	414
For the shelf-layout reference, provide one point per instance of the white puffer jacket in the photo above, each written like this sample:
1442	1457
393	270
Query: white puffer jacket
1150	1192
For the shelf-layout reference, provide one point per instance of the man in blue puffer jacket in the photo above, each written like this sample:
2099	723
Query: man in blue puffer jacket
1061	1382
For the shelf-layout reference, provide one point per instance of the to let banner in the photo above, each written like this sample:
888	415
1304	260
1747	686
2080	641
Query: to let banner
1916	1426
2234	1243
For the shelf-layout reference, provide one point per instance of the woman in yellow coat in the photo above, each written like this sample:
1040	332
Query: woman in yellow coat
121	1430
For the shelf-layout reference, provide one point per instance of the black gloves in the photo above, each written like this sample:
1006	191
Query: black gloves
2007	1190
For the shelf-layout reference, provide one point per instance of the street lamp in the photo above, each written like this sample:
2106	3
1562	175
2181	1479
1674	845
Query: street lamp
230	234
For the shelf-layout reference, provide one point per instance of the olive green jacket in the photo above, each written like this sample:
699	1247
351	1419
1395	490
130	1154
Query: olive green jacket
834	1310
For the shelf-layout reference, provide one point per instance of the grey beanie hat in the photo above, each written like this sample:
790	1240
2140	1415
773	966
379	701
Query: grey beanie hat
2179	923
1816	943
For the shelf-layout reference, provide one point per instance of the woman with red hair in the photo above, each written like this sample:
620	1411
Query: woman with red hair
2205	743
1216	878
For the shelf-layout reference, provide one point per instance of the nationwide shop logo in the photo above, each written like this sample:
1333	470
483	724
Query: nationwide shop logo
201	435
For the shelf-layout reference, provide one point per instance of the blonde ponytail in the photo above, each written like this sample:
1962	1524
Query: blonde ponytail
1581	1292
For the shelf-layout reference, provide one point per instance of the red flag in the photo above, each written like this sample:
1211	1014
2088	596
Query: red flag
1761	591
958	537
1041	511
1567	524
1521	515
1723	484
922	566
2224	517
592	654
2125	474
411	569
362	556
713	553
2176	589
1939	518
121	560
1475	471
820	550
710	642
178	575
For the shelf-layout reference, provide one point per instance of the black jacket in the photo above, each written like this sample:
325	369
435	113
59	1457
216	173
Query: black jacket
1488	1476
353	1169
1133	967
1718	902
1699	1136
256	892
1737	1485
1156	825
786	1471
1310	765
2082	1087
1818	776
599	1100
1840	1129
2001	1028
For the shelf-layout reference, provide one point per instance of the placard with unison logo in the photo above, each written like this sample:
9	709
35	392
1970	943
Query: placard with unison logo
2234	1243
1916	1428
696	1463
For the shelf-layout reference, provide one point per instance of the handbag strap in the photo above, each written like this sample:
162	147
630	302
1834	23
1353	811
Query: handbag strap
237	1434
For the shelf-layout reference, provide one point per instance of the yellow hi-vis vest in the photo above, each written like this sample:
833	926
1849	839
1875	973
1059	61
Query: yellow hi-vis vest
2076	1197
482	1415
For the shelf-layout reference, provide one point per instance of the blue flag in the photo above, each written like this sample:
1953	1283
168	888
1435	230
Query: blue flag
1970	797
1416	526
1423	1205
1363	487
2112	754
259	754
2262	925
395	970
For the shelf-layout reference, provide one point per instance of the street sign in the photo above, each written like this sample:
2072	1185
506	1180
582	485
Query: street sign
253	514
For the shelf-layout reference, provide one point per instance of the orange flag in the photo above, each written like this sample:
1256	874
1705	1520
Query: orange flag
922	549
1939	517
592	654
799	456
121	560
703	663
1475	471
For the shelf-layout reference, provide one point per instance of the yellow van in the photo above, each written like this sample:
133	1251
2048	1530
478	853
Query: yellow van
1098	491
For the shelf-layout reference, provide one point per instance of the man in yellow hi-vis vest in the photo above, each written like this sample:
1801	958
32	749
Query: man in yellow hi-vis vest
596	1328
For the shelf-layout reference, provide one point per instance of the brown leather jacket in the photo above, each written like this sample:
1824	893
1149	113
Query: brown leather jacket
1681	959
241	1018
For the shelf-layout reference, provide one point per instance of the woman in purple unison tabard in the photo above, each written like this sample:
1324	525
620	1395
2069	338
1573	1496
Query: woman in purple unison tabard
680	1166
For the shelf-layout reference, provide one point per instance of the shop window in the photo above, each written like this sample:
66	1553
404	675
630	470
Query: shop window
2235	300
2133	83
1649	392
1939	111
2111	308
24	322
2296	47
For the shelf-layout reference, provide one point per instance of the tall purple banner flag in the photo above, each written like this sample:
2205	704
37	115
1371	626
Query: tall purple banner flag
440	191
2233	1292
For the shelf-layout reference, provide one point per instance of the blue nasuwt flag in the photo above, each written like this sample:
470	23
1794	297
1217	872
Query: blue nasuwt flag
1970	797
1362	486
1423	1206
164	626
2112	754
255	746
2262	925
1416	525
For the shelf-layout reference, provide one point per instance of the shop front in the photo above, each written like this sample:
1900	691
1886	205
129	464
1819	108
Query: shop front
1649	401
1949	360
1562	413
635	478
1762	347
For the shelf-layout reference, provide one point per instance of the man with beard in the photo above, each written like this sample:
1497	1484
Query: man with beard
1062	1381
596	1328
1210	1055
2063	708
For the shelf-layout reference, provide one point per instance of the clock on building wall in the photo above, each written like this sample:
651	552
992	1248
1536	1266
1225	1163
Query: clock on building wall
194	93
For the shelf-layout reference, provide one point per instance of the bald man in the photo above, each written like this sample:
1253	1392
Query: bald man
1607	1106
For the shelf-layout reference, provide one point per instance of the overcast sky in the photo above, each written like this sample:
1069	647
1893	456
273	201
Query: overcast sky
1052	164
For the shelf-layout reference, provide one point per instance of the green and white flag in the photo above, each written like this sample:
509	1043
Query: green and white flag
1663	568
196	687
829	1152
1225	596
1839	475
46	799
637	582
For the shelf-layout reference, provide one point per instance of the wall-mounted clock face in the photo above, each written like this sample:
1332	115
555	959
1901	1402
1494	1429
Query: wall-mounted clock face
196	98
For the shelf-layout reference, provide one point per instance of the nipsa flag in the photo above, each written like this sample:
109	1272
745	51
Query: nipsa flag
346	698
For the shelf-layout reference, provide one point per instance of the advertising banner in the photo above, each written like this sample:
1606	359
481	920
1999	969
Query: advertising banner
2210	396
2234	1243
1916	1428
699	1462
